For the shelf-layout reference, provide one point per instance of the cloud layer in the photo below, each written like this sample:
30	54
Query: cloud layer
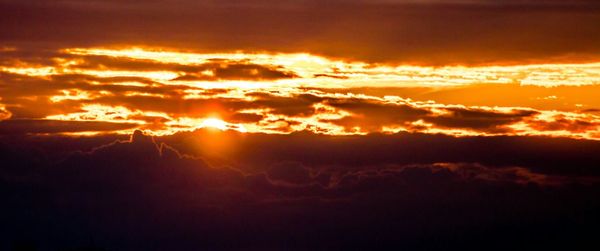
165	91
123	193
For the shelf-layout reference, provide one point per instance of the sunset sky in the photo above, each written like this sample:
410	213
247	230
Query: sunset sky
230	124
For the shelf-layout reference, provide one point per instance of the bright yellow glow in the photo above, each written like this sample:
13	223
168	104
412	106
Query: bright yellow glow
214	123
71	95
4	114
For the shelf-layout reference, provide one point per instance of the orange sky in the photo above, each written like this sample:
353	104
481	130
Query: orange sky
165	91
474	67
299	124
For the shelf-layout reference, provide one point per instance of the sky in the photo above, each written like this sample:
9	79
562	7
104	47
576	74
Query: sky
299	124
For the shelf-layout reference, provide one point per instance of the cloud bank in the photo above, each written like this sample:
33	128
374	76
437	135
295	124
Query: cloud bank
122	193
164	92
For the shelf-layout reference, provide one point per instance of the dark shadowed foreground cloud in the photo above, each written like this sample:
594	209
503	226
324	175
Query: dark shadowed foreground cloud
307	191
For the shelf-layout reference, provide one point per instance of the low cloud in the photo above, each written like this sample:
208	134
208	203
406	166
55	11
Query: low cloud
140	187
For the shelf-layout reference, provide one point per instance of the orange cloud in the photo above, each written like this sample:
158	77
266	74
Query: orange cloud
282	93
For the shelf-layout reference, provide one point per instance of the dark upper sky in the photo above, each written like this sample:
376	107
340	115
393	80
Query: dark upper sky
423	32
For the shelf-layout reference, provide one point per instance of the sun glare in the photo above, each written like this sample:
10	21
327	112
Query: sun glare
214	123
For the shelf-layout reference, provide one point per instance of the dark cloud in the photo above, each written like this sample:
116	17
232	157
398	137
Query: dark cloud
125	193
555	156
291	173
299	105
245	118
330	76
372	114
560	122
251	72
485	120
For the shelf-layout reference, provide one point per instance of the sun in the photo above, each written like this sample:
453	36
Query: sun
214	123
